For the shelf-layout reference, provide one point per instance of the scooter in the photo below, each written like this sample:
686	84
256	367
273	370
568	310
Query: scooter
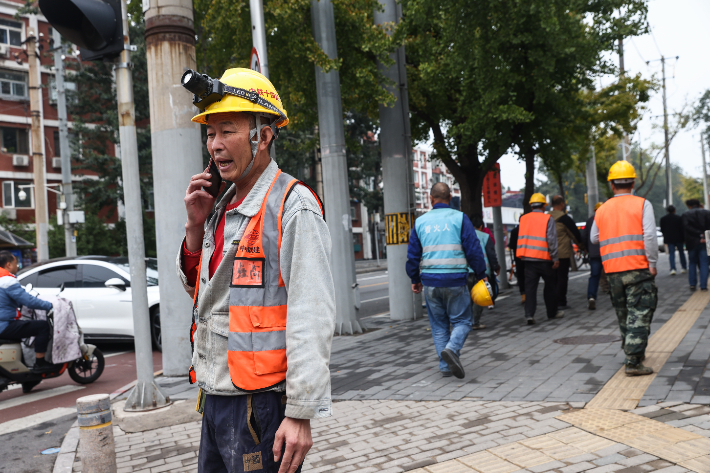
14	369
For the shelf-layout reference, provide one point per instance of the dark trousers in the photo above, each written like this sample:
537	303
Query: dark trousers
19	329
594	276
520	274
562	276
238	433
534	270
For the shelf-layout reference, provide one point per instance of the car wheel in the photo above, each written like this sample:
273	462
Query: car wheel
155	332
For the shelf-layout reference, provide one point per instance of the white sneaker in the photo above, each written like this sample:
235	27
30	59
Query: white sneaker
591	304
672	272
682	271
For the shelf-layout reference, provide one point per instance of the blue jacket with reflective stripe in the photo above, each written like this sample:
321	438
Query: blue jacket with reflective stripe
464	236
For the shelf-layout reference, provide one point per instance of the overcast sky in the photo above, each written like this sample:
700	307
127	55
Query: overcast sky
680	28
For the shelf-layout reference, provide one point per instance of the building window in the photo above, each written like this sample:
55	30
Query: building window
10	32
11	195
13	84
15	140
69	86
353	213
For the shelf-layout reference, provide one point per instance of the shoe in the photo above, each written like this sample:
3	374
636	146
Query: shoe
692	288
42	367
704	289
27	387
559	315
531	321
478	327
454	363
591	304
638	370
491	307
683	271
446	374
522	298
672	272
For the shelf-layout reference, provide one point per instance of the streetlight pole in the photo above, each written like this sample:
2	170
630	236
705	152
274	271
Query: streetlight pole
705	173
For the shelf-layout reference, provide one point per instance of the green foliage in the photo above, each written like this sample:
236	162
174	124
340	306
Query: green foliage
22	230
691	188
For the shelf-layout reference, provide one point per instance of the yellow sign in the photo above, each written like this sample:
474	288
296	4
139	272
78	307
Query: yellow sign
398	227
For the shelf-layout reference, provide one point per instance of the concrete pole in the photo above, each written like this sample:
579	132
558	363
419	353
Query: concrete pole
669	183
335	172
625	146
64	150
145	395
500	245
705	173
38	162
177	155
97	449
258	34
396	172
592	183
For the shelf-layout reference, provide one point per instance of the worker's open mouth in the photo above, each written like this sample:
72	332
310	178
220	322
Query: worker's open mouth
222	165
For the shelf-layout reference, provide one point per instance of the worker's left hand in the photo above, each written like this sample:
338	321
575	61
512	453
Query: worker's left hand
296	435
555	265
653	271
417	288
498	272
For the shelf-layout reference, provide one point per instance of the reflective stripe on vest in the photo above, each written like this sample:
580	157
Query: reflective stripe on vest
439	232
532	236
621	234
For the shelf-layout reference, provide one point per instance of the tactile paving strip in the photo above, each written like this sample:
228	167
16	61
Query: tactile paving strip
625	392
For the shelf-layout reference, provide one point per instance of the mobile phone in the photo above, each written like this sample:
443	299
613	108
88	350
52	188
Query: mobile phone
215	179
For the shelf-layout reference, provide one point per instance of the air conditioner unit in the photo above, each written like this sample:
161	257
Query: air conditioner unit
57	163
4	50
20	160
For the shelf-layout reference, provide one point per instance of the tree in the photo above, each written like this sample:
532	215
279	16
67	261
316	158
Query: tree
486	77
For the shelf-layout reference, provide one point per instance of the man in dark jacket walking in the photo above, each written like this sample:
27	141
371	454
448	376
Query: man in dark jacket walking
595	262
519	263
672	229
695	221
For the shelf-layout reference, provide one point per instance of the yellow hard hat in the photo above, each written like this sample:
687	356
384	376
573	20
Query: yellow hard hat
597	205
251	81
621	170
481	294
538	198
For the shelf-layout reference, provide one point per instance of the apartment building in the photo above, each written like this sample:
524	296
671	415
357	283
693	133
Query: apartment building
426	174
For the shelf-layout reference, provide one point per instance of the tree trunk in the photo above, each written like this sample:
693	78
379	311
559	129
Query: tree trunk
529	156
471	192
560	184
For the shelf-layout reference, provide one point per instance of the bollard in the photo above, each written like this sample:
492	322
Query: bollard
96	447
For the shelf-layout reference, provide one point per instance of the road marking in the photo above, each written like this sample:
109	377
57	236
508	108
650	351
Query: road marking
35	419
375	299
371	285
37	396
381	314
579	276
372	277
116	354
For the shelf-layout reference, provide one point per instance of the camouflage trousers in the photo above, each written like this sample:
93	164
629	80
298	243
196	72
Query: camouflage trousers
634	295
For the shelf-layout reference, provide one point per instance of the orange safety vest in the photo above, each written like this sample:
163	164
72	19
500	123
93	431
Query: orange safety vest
620	224
532	236
258	297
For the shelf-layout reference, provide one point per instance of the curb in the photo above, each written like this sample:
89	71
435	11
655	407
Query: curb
67	452
371	269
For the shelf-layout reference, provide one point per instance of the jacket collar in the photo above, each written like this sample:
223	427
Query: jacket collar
4	272
252	202
441	206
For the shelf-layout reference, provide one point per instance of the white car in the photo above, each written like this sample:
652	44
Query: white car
659	236
99	288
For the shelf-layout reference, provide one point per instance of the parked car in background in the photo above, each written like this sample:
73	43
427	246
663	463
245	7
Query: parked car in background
99	288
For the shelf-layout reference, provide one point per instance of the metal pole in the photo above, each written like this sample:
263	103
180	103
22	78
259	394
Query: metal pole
592	183
705	173
500	245
258	33
38	162
669	183
396	173
64	151
177	155
335	172
145	395
625	148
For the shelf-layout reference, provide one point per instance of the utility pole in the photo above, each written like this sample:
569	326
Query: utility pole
669	184
177	155
396	174
145	395
705	173
592	183
335	171
38	162
625	147
60	51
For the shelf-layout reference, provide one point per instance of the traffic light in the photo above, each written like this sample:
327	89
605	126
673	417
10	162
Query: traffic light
93	25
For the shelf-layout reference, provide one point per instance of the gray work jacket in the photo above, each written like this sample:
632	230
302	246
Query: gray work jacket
305	269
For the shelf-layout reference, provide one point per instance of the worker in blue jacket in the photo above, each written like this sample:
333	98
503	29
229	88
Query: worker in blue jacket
442	246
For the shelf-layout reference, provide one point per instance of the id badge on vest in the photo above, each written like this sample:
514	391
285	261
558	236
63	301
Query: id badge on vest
248	272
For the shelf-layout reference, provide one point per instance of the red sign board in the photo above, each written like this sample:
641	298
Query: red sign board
255	62
492	188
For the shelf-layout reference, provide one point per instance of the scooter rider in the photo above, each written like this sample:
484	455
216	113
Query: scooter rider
13	296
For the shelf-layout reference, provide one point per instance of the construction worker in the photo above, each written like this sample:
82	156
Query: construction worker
567	233
442	246
259	253
492	266
625	229
595	262
537	246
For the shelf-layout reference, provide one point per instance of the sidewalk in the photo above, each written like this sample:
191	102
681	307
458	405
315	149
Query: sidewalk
543	398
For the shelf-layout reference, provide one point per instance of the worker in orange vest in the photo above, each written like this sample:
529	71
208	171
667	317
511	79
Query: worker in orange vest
625	228
537	246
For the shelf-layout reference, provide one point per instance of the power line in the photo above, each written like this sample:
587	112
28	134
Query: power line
654	42
637	49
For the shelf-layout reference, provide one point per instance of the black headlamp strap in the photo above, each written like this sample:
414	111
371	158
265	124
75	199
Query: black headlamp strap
254	97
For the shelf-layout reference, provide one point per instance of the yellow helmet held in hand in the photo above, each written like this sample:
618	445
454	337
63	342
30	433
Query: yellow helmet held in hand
538	198
243	90
482	294
597	205
621	170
